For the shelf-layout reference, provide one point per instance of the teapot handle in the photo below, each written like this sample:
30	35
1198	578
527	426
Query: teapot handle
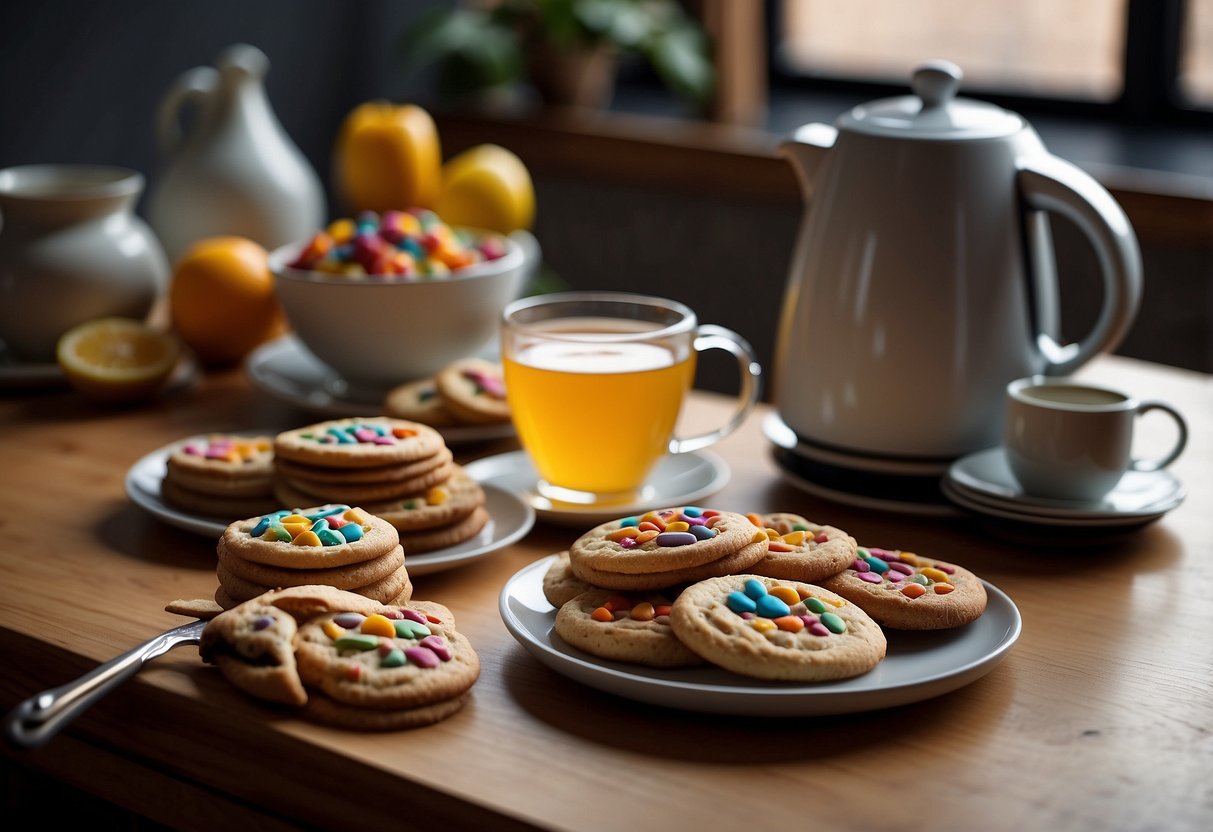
196	85
1047	183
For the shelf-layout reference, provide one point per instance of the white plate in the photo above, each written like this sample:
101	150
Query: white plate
511	517
919	665
778	433
678	479
985	477
288	372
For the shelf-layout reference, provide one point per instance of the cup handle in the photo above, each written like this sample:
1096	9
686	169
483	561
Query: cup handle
712	337
1180	443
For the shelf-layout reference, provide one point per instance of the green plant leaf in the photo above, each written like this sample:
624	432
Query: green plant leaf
681	58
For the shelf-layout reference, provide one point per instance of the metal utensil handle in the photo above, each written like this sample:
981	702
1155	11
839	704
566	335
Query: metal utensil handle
40	717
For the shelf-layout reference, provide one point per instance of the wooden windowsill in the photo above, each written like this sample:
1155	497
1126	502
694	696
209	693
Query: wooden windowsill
740	163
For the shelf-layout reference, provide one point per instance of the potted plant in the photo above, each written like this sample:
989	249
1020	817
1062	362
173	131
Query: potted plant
567	50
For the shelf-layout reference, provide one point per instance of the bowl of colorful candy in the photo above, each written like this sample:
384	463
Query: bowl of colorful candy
384	299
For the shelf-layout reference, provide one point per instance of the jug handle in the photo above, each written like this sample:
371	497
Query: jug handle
194	86
1048	183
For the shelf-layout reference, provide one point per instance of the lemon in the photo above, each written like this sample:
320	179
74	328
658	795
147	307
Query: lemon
221	299
117	359
487	187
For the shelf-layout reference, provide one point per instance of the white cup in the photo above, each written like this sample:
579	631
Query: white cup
1070	440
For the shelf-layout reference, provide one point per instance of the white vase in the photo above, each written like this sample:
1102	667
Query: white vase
71	250
235	171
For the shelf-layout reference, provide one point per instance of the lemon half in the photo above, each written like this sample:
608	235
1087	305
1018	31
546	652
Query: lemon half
117	359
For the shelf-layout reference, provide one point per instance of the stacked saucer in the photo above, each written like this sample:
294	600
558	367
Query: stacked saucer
982	483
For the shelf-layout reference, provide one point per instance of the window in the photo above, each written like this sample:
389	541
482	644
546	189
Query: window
1139	59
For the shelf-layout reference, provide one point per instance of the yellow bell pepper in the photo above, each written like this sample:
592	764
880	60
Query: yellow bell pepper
387	157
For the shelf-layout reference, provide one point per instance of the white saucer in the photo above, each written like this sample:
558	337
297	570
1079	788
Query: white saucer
511	520
288	372
984	479
678	479
779	434
918	666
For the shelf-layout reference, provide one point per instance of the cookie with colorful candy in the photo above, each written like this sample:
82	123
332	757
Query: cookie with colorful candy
800	550
666	547
907	591
470	391
220	475
343	659
331	545
769	628
626	627
398	470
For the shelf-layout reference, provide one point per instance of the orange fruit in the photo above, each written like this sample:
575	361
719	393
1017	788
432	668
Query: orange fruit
487	187
117	359
222	301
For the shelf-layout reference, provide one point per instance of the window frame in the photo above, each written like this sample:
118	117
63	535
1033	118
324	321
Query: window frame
1150	67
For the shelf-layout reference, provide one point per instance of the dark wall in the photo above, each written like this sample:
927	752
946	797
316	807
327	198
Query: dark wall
81	82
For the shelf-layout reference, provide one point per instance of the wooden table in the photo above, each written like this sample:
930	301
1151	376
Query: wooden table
1100	718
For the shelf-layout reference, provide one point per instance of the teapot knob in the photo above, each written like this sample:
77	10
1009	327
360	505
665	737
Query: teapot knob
936	82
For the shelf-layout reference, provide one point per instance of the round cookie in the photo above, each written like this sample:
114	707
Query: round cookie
662	541
800	550
290	490
341	577
431	540
905	591
418	401
212	505
252	644
284	538
326	711
383	473
221	463
359	443
388	589
560	585
440	505
772	629
379	663
739	561
473	389
627	628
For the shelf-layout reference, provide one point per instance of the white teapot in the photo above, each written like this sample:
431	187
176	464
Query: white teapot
923	279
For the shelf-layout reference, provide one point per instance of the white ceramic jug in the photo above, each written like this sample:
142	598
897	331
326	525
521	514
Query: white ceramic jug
924	281
235	171
71	250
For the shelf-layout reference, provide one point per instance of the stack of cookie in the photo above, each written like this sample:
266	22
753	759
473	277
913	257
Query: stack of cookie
682	586
334	545
343	659
221	475
470	391
396	469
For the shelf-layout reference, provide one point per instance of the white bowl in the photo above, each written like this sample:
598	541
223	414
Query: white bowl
384	331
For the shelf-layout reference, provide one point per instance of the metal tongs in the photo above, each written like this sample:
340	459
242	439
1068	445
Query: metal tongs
40	717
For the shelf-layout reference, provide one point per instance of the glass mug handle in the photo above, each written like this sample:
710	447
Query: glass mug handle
712	337
1180	442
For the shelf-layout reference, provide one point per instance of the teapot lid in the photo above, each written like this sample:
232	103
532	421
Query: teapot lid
933	111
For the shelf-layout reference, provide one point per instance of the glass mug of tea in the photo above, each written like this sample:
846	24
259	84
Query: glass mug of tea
596	381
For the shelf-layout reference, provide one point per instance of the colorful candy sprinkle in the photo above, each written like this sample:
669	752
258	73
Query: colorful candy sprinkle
399	245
